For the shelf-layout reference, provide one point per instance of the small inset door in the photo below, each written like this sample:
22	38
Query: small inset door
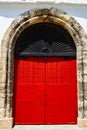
45	90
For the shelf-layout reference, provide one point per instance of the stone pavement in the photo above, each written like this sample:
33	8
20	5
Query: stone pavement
46	127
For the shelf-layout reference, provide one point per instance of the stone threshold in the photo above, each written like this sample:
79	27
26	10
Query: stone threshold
7	123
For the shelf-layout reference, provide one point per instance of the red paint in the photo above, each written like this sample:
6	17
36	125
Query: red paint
45	91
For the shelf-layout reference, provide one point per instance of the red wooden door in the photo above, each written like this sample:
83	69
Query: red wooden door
45	91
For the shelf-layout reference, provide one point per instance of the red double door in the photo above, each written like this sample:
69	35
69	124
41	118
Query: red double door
45	90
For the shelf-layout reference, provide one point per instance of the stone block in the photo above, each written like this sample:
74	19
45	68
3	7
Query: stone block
80	113
82	123
80	109
84	54
80	96
80	104
85	78
85	114
85	108
2	113
3	78
85	104
85	70
85	95
6	123
2	94
85	86
2	102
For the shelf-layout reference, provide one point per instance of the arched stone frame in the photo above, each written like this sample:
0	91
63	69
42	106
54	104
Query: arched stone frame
20	23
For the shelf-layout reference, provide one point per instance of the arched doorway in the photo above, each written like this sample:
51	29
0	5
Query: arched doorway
45	76
19	24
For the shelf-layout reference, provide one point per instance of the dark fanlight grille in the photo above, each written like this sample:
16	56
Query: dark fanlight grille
45	39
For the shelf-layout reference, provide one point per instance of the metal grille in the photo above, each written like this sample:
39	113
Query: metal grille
45	39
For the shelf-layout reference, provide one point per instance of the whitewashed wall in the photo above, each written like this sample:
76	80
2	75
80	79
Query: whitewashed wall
10	10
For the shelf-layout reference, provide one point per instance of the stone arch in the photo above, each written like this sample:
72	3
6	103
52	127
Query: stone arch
20	23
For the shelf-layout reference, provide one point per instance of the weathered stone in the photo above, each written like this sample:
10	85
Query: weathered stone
2	112
2	102
85	78
85	95
6	123
9	110
82	122
79	54
85	114
85	86
2	95
80	113
80	109
80	97
85	107
85	104
85	70
84	54
80	103
3	78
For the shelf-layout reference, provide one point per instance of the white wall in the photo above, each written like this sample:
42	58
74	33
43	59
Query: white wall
8	11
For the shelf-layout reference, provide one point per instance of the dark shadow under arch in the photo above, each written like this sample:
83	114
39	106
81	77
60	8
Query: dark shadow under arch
45	39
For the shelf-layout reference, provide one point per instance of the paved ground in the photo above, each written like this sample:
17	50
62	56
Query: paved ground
47	127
